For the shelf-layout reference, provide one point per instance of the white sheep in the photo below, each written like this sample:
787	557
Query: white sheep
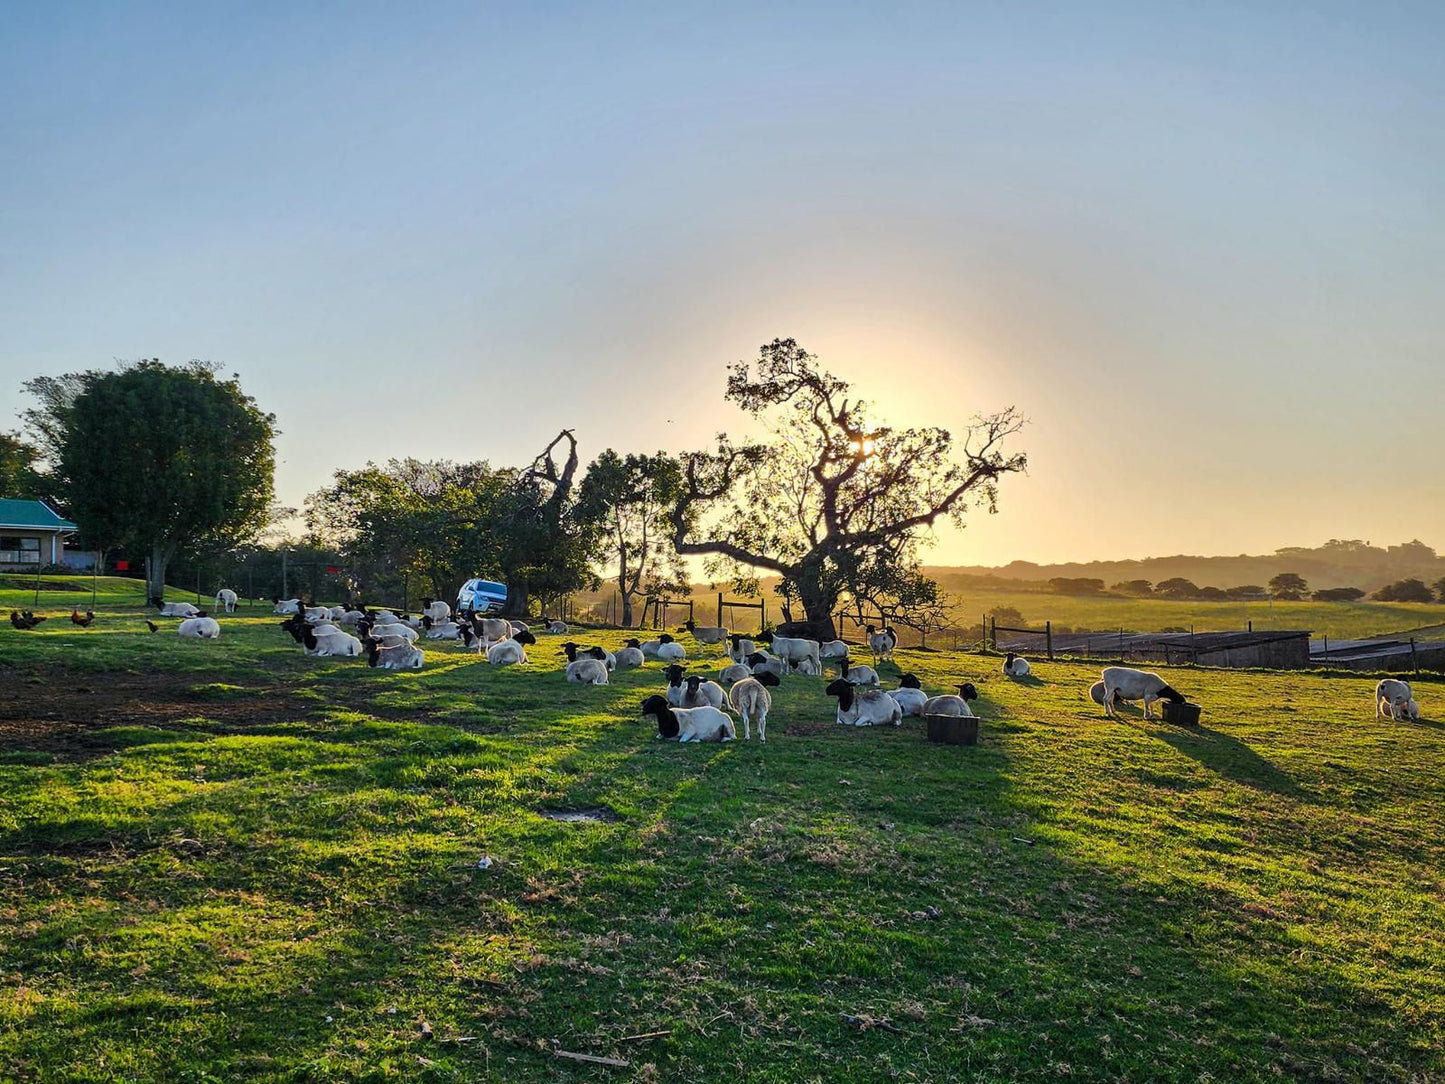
761	662
557	627
740	647
507	652
1015	666
706	634
1394	697
178	609
689	724
1126	683
675	690
631	655
519	626
863	707
588	671
199	628
226	600
699	692
909	694
329	640
286	606
350	617
665	649
491	630
440	630
437	610
750	699
832	649
861	675
393	654
881	643
316	613
395	630
794	650
737	672
949	704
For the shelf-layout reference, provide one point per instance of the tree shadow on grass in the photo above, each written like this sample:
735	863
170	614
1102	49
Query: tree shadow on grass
1230	758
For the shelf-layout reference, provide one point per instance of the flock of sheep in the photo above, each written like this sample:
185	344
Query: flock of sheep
692	707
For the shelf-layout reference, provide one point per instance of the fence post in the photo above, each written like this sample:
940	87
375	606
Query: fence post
993	633
1121	643
719	609
1249	626
1049	639
1414	659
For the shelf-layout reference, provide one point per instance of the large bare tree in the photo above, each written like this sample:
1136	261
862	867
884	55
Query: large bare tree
835	503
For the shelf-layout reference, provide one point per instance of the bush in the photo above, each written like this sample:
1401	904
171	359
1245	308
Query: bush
1339	594
1410	590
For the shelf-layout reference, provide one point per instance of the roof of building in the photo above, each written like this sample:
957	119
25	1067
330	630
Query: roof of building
1220	641
35	515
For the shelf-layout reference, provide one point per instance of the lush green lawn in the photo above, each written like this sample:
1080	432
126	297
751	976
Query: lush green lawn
226	861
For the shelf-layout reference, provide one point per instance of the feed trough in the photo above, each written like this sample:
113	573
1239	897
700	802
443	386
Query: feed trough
952	729
1181	714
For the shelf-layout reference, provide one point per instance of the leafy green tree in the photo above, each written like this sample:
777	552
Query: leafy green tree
1134	587
834	503
1338	594
1247	591
1177	587
19	473
1440	589
1290	586
1407	590
1076	585
629	497
157	457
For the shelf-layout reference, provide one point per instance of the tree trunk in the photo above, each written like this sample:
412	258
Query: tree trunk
818	610
626	611
156	573
518	600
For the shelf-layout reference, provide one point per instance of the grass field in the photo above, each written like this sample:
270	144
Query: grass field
226	861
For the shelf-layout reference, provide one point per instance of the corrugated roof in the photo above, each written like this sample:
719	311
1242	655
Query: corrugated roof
34	514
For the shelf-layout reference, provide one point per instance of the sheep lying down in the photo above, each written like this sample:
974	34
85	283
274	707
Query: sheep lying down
689	724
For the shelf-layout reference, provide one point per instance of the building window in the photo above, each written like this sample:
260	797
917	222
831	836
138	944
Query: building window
19	551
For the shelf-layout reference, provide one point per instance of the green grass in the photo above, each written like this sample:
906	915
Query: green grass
226	861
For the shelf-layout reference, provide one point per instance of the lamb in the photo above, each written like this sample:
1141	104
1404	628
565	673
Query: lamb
739	671
760	662
440	630
602	655
436	609
750	699
1014	666
284	606
675	691
866	707
665	649
702	692
706	634
794	650
1395	698
950	704
881	643
329	640
588	672
1126	683
178	609
226	600
392	655
631	655
507	652
689	724
910	695
808	668
740	647
558	627
832	649
199	628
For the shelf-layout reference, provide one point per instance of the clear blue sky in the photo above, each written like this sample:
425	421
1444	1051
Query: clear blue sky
1202	246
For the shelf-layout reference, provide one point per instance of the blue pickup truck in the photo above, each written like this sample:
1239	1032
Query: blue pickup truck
483	596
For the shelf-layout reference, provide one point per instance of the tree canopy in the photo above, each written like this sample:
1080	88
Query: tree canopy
19	473
836	503
157	457
1288	585
1406	590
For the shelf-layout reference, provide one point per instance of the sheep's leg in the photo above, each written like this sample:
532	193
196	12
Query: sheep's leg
763	725
1148	704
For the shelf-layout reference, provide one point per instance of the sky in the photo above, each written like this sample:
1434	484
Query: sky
1200	246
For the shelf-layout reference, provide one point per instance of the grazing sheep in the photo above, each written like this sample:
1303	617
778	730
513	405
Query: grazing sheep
1015	666
689	724
950	704
1394	697
793	650
226	600
631	655
557	626
199	628
863	707
750	699
392	654
700	692
507	652
285	606
881	643
706	634
740	647
1126	683
761	662
738	671
588	672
